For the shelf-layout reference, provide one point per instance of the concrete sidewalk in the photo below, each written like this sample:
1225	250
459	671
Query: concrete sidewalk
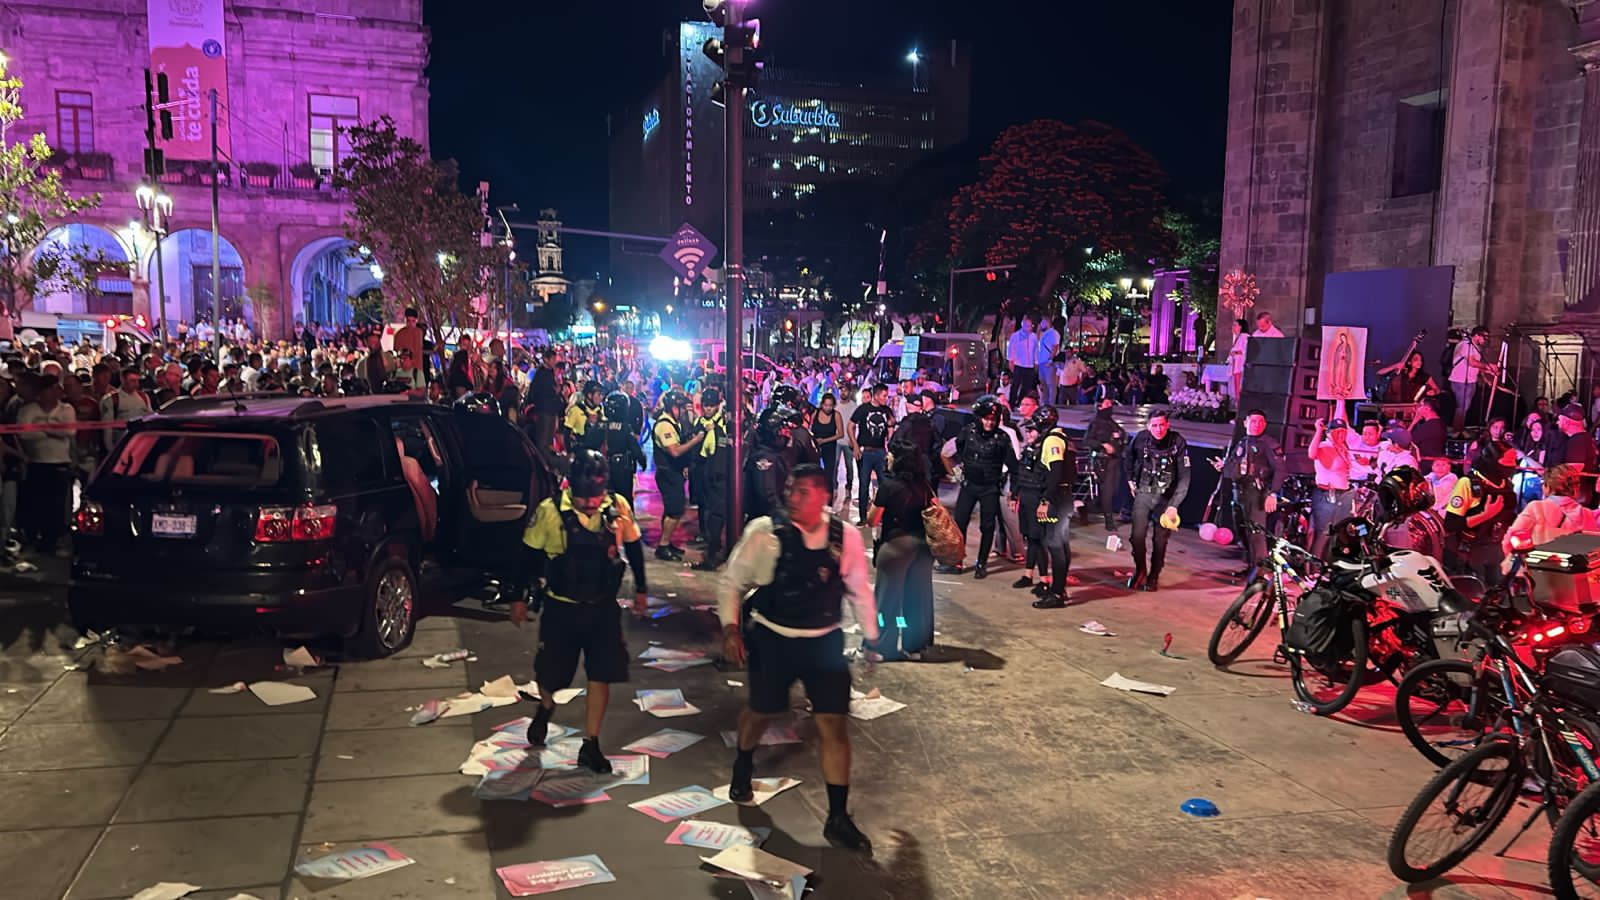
1012	773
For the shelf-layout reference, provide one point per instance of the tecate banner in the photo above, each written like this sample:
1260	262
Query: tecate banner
188	45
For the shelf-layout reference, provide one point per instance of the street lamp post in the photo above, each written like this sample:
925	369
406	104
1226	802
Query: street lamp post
157	207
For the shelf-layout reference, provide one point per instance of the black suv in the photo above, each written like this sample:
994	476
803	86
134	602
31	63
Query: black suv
300	517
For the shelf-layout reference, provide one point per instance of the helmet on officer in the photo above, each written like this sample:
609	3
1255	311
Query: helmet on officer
616	406
1402	492
592	391
986	407
674	400
710	397
1043	419
589	474
785	394
775	425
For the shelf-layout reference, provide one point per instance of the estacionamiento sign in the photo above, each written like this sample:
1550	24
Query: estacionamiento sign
772	114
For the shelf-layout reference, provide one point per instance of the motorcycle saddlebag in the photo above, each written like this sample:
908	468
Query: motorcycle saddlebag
1319	630
1574	674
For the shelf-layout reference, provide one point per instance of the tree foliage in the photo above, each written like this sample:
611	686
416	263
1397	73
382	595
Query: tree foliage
1050	197
423	231
33	200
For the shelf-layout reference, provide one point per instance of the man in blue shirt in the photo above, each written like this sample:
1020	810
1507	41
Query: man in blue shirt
1021	352
1049	344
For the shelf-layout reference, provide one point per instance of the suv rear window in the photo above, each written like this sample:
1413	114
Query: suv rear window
197	458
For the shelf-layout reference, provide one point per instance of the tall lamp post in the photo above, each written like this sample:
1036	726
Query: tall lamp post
157	208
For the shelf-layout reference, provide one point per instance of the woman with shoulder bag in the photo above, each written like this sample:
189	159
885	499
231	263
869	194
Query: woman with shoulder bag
904	586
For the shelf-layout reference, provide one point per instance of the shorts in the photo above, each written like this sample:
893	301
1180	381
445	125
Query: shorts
818	663
567	629
670	483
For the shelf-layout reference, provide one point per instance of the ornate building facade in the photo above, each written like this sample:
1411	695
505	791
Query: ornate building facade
296	73
1456	139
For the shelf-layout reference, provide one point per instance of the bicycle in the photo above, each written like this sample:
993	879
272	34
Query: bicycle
1244	620
1549	747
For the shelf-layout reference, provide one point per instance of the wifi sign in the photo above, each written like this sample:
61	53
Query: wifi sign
687	250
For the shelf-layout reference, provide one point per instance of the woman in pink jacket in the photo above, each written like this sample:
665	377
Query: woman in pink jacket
1558	513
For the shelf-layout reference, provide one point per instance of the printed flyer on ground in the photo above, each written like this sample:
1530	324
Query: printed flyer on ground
532	879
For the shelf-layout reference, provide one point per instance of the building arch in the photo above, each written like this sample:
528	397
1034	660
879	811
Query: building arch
110	288
323	278
185	278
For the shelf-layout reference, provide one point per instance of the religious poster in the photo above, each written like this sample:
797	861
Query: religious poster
188	46
1342	374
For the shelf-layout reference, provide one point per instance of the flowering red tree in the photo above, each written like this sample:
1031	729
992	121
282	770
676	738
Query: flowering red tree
1048	191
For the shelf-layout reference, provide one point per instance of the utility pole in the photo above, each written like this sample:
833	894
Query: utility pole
216	237
154	167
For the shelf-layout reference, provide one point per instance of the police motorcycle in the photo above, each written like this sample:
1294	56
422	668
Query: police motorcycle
1370	615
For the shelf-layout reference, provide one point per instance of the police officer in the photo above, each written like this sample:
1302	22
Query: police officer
789	630
986	456
574	566
1158	475
715	458
1054	508
1027	489
1254	467
616	440
673	445
1106	440
584	412
802	446
767	469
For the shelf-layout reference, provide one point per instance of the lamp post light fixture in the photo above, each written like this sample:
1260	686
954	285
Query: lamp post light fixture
157	207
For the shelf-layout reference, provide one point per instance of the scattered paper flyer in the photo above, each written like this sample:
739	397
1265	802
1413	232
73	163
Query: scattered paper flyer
531	879
664	743
657	652
629	770
508	749
300	658
567	695
664	704
238	687
762	890
166	890
756	864
765	789
571	787
1144	687
1096	628
872	705
278	693
673	805
509	784
501	687
716	835
365	861
676	665
776	734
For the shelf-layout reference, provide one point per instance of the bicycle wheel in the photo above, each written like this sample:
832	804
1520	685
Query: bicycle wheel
1328	689
1575	847
1242	623
1455	812
1444	709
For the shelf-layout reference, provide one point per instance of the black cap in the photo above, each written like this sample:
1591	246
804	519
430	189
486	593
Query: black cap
1572	411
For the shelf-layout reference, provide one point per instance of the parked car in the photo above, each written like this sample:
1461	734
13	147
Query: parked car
297	516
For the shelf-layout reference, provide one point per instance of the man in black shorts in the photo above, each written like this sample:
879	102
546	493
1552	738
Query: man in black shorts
576	544
672	455
789	630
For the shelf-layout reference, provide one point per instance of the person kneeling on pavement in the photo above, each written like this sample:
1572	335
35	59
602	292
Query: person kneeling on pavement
788	629
574	566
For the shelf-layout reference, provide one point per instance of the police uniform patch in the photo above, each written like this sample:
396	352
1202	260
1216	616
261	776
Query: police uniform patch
1455	502
763	464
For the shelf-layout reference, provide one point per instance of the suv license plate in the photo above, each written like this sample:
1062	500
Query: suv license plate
172	526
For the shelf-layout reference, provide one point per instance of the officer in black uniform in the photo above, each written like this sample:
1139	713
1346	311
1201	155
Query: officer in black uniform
986	457
576	544
1054	508
767	469
1106	441
1027	489
802	448
1158	475
716	456
617	440
1254	468
674	443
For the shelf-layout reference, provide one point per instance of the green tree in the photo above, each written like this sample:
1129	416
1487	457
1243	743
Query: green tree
425	234
33	200
1052	198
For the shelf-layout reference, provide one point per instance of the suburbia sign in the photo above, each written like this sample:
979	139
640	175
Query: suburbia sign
767	114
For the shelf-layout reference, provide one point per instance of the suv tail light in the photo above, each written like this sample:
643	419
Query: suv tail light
282	524
89	519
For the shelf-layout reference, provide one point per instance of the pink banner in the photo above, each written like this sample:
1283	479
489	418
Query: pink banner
189	46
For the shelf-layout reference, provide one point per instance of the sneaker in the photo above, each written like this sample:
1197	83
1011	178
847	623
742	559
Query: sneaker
980	573
1022	582
1040	589
943	569
539	727
707	565
841	831
669	553
590	757
1052	601
740	789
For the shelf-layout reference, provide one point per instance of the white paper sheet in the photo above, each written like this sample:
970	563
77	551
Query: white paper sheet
756	863
278	693
238	687
166	890
300	657
765	789
664	743
1116	680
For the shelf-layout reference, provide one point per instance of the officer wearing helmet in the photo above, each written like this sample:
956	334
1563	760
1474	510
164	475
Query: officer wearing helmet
1053	511
986	456
1027	490
716	459
767	469
674	445
577	543
1254	466
615	438
585	411
802	446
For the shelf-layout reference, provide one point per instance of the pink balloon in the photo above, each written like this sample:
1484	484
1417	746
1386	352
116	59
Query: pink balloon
1223	536
1208	531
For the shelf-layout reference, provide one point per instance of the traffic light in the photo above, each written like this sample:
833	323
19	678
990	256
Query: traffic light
988	276
734	52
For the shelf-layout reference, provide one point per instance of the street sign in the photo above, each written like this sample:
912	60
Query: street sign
687	251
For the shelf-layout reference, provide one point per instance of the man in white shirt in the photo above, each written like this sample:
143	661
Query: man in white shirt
789	629
849	399
42	496
1021	352
1049	344
1364	453
1398	450
122	405
1265	328
1466	362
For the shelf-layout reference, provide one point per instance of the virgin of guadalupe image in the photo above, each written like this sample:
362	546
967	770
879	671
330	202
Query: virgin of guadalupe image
1342	370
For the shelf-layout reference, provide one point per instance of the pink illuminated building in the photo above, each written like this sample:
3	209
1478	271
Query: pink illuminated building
293	74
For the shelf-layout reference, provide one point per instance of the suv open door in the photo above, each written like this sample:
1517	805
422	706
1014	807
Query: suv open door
502	483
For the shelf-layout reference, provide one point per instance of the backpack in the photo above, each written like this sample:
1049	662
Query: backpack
945	540
1320	629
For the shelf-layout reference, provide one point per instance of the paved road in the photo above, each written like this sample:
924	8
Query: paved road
1012	773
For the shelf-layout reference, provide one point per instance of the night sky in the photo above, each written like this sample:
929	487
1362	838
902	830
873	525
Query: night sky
520	100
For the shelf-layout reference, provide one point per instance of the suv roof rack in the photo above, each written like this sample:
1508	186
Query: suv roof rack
273	403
